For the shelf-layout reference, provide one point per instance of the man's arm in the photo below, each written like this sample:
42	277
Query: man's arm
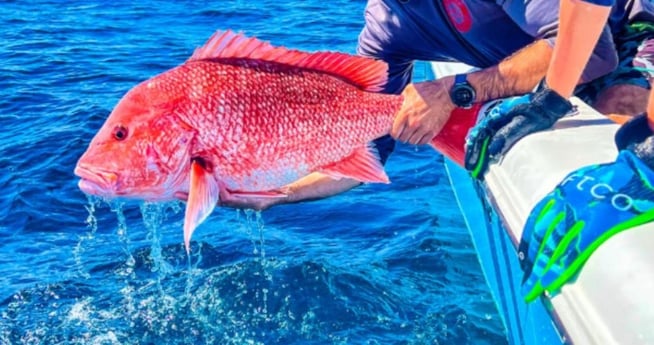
517	74
311	187
581	25
427	105
522	71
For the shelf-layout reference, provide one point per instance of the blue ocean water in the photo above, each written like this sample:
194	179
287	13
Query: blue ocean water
382	264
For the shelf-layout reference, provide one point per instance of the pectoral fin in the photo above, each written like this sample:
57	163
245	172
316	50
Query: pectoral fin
362	165
202	198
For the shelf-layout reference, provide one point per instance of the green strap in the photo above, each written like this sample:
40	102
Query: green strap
559	217
480	163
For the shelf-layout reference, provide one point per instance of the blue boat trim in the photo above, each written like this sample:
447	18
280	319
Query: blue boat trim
525	324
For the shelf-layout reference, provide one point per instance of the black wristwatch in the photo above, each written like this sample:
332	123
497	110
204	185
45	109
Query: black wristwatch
462	93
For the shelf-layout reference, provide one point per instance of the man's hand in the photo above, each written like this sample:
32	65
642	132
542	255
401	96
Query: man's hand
426	109
509	122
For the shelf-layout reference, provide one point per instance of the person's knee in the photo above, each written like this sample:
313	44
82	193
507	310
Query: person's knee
623	99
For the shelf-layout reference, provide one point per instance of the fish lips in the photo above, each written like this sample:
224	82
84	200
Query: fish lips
96	181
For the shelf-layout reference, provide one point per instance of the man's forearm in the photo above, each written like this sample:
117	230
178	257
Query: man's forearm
515	75
316	186
311	187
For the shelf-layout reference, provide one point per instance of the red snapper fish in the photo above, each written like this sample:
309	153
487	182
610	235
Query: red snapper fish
241	117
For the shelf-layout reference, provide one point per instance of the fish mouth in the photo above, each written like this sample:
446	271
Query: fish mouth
96	181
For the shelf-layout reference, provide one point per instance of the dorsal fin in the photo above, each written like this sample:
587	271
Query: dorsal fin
366	73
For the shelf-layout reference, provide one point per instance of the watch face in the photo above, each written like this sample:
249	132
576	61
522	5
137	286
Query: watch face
463	96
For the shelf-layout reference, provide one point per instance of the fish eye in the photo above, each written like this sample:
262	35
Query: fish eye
120	133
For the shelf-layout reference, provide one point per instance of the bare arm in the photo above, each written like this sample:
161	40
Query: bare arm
427	105
515	75
311	187
580	26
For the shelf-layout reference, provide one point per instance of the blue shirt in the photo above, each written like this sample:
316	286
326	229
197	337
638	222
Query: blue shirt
480	33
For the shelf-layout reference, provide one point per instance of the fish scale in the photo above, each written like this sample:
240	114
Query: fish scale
244	118
316	119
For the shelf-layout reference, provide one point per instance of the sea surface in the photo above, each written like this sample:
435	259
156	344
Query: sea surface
382	264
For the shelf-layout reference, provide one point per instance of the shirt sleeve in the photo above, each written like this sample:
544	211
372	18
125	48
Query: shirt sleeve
539	18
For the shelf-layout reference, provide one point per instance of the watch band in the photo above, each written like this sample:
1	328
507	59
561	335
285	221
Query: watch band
460	79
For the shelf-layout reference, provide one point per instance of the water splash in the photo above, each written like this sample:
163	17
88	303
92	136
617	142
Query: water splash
92	224
121	230
153	218
252	220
